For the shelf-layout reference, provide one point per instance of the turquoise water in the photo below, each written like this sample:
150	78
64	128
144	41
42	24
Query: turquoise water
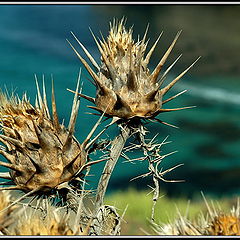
33	41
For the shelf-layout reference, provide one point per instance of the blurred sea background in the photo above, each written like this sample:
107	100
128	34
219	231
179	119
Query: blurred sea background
33	41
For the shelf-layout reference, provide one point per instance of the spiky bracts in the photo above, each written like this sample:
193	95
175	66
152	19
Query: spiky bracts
215	222
125	86
42	154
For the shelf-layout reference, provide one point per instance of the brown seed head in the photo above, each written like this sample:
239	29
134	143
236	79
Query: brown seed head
225	225
41	152
125	86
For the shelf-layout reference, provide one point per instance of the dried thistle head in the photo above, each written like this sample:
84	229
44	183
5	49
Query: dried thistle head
224	225
215	222
6	217
42	154
32	223
125	86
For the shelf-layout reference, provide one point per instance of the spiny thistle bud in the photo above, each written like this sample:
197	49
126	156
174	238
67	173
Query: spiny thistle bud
214	223
125	86
224	225
42	154
32	223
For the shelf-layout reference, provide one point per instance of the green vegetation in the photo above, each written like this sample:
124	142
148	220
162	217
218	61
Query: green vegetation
139	204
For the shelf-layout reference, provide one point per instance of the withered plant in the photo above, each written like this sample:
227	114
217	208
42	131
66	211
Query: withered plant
45	160
215	222
129	93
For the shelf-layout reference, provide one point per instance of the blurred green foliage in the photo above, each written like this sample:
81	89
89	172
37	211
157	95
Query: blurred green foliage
138	205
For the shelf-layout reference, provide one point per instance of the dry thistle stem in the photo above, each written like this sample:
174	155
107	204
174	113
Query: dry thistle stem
42	154
125	86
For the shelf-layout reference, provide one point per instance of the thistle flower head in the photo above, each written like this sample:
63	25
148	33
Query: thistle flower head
215	222
42	154
126	88
32	223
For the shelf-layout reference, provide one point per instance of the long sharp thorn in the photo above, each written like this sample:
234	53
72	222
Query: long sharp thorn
170	85
45	99
96	114
98	135
175	109
91	72
147	58
95	108
171	98
98	45
165	123
87	53
168	69
19	199
74	112
75	105
93	130
38	93
5	175
168	154
91	99
155	73
145	34
208	207
89	164
54	108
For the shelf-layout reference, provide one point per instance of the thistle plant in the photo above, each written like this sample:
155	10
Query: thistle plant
46	161
129	93
44	157
215	222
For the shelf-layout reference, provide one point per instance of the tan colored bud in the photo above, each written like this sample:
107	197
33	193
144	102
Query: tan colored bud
125	86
